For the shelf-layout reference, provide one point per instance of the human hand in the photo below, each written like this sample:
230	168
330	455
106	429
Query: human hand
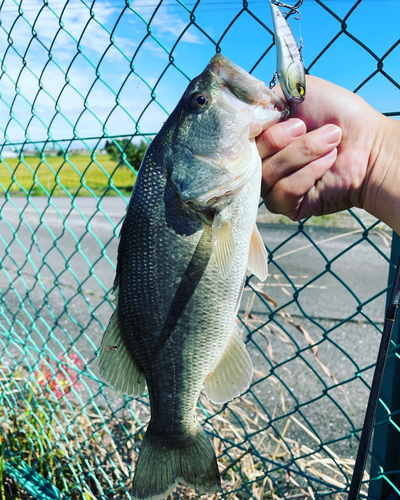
321	160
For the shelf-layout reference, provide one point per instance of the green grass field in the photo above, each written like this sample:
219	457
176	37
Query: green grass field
55	175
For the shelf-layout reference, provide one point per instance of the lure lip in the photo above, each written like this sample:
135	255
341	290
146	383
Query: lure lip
296	99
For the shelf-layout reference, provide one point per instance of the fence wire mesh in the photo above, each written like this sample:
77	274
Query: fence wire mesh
76	74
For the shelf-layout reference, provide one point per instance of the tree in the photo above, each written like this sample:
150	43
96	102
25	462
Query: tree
134	152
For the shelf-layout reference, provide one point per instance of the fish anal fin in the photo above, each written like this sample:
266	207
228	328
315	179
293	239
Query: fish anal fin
117	366
233	373
223	245
258	257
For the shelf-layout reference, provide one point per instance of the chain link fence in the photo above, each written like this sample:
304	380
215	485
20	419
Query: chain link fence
75	75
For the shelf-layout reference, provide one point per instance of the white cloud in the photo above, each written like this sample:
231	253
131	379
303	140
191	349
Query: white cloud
74	22
165	22
101	102
113	69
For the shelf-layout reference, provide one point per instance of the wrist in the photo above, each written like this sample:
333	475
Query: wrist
383	175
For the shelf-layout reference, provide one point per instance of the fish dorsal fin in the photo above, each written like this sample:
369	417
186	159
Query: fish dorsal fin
223	245
233	373
117	366
258	257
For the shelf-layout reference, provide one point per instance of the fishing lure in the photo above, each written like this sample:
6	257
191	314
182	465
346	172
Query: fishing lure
289	61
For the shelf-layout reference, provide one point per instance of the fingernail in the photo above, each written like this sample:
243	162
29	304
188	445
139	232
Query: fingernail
332	154
331	133
295	127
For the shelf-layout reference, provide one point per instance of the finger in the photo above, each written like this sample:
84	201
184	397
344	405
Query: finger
302	151
279	136
288	193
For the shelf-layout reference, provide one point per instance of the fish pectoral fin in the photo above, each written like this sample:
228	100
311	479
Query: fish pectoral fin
117	366
233	373
223	245
258	257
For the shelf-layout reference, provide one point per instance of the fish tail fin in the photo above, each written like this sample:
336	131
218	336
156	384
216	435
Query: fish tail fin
162	465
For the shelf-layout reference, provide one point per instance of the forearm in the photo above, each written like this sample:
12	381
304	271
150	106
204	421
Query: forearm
381	195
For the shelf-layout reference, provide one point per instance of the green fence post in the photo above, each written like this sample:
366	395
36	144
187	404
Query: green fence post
386	442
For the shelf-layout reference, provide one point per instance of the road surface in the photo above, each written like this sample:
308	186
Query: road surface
74	249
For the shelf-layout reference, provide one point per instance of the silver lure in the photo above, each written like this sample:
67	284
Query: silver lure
289	63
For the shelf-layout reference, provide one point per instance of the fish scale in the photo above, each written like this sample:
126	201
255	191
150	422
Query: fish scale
184	249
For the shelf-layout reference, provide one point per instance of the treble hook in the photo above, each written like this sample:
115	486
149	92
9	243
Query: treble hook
293	9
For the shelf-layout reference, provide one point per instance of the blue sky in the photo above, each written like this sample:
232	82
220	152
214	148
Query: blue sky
87	105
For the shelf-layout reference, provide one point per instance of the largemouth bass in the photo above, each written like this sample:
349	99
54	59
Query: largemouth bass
185	245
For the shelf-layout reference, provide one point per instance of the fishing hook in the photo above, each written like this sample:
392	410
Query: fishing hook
293	9
272	83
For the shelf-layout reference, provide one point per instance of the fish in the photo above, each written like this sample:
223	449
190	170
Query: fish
186	244
289	61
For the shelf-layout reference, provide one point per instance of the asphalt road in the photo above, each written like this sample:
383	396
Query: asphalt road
70	304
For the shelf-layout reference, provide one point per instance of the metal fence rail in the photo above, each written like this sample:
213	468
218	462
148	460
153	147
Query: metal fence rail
75	74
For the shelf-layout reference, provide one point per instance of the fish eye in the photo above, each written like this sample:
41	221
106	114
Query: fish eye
300	89
198	101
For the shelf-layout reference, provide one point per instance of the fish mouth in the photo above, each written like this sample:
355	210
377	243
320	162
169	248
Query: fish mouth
243	85
246	87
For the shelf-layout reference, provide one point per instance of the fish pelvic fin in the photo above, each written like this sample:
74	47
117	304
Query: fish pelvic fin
161	467
232	375
117	366
223	244
258	257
